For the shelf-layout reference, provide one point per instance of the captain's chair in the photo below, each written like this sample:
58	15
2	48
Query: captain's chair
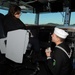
17	42
15	48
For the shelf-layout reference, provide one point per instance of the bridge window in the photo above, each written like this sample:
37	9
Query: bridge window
56	19
3	11
28	18
72	20
52	18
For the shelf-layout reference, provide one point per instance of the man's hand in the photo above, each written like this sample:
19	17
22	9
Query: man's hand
48	52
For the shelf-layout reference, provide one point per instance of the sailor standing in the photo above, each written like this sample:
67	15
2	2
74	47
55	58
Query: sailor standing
59	60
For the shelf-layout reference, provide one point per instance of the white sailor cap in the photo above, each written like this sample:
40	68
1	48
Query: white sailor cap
60	33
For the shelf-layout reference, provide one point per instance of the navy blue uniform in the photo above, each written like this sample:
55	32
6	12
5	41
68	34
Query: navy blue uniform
60	64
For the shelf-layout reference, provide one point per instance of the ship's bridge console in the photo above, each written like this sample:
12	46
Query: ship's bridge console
44	35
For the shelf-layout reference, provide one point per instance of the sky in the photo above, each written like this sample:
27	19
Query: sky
29	18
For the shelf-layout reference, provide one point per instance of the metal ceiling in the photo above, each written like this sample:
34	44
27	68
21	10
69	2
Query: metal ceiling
40	6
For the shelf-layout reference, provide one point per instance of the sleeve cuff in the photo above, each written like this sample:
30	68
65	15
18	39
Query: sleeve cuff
48	58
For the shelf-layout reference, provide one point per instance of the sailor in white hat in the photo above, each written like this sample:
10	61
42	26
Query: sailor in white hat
59	34
59	59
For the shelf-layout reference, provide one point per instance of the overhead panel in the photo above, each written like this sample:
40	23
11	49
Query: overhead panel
72	5
47	6
40	6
